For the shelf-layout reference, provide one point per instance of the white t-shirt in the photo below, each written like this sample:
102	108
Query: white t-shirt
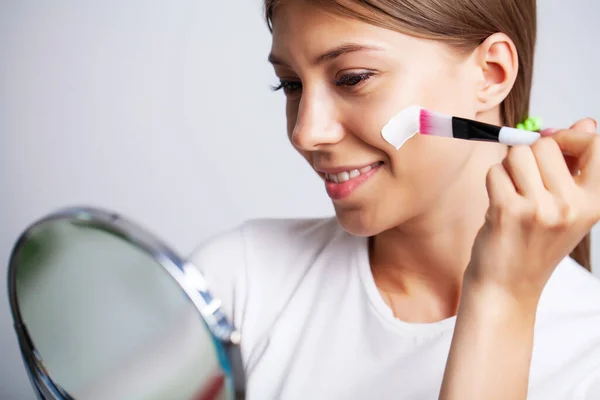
314	325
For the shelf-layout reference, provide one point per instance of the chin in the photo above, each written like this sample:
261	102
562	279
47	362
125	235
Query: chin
358	223
370	221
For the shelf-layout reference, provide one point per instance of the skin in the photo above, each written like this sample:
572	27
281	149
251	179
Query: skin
465	206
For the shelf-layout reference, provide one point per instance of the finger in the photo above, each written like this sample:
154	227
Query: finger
571	161
521	165
553	168
585	125
548	132
583	146
500	187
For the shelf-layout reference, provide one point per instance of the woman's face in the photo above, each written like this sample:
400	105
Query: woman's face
343	80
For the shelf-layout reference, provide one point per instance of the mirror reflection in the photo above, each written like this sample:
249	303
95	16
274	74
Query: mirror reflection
108	321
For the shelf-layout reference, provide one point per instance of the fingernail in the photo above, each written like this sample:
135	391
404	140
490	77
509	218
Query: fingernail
548	131
595	123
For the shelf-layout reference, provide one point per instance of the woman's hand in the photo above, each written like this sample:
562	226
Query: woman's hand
539	210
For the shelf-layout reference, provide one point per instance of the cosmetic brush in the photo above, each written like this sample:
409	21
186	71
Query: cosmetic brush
416	119
437	124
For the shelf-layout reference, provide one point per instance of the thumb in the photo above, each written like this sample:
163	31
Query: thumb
588	125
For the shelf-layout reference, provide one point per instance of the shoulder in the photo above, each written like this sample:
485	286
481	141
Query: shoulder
281	244
261	257
269	238
255	268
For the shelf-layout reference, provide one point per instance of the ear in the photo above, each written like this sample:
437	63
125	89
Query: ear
498	61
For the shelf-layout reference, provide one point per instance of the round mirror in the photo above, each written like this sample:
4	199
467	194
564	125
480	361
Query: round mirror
103	310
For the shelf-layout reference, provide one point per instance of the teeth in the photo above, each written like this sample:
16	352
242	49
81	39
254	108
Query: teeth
343	177
347	175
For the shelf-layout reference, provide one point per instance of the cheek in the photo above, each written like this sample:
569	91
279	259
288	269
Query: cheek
450	90
425	158
451	97
422	159
421	173
443	90
365	116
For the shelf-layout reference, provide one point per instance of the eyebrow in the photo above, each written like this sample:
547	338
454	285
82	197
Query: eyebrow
331	54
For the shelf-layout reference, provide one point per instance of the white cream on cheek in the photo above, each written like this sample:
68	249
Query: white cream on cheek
402	126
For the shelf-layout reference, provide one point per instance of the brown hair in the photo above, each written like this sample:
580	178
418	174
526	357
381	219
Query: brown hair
464	24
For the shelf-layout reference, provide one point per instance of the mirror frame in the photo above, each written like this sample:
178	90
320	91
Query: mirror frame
185	274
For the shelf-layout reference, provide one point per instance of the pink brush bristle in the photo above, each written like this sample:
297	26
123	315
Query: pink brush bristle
425	122
435	124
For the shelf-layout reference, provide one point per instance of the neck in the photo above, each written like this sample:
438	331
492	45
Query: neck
421	263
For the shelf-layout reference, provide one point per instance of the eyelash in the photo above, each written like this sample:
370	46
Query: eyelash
348	80
353	79
286	86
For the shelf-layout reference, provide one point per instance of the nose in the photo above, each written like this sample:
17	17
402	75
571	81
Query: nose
317	123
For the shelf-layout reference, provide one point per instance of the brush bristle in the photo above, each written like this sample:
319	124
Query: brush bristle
435	124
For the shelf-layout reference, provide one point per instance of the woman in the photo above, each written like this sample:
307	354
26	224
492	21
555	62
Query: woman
443	256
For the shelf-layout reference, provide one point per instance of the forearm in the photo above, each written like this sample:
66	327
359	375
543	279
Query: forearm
490	355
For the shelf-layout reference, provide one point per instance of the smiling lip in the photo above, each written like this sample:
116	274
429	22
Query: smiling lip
341	182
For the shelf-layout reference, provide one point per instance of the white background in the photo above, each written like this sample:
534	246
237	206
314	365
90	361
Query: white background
161	111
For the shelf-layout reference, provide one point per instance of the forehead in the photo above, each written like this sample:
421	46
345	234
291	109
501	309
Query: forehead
303	26
303	29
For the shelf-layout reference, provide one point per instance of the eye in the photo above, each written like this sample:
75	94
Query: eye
353	79
289	87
